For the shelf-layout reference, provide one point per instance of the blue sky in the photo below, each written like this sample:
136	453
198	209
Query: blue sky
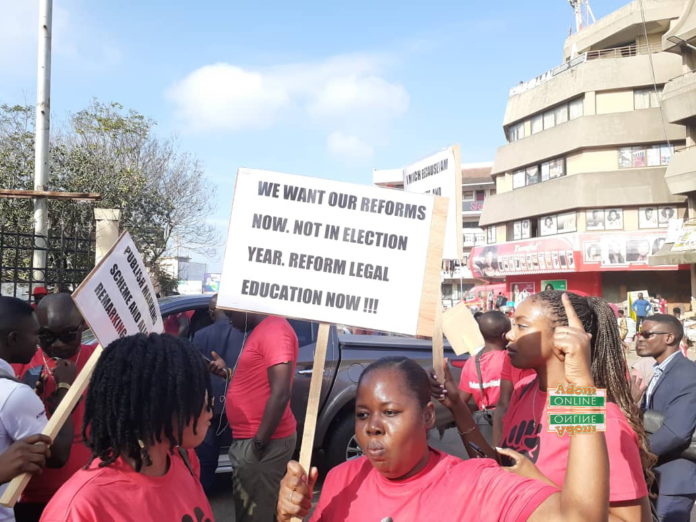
319	88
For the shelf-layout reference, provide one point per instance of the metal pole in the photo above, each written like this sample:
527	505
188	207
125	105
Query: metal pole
43	117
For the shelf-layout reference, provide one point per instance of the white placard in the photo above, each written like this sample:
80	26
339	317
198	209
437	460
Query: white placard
117	297
329	251
441	175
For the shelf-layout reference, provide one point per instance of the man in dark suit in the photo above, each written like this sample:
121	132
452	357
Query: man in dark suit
672	392
226	341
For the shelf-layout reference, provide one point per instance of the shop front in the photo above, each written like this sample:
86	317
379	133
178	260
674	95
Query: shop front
591	263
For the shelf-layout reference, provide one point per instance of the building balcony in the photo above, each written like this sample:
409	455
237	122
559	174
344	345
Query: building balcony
681	172
602	130
679	98
624	25
610	69
472	207
616	188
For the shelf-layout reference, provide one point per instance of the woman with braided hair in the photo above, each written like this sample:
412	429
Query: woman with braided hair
147	407
536	333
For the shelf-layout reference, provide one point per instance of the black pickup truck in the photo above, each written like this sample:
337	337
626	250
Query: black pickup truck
346	357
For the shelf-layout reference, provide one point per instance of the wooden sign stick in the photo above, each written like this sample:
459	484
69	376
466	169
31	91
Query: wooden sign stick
55	423
310	422
438	343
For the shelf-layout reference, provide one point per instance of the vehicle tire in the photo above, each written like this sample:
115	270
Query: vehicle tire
342	444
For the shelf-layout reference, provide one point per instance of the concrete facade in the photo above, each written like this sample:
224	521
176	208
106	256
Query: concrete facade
603	132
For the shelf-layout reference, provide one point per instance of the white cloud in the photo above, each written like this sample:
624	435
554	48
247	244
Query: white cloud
347	147
223	96
347	92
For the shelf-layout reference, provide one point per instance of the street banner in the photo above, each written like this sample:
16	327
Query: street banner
333	252
441	175
117	297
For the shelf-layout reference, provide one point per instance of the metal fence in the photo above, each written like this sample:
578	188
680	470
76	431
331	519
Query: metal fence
70	253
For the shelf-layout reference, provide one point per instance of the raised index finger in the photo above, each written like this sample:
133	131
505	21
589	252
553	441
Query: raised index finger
573	319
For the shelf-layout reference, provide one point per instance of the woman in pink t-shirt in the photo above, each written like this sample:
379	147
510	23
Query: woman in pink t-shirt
147	408
401	478
525	435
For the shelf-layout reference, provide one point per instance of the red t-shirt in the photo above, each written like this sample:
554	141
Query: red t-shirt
42	487
448	488
272	342
513	374
525	430
495	366
117	493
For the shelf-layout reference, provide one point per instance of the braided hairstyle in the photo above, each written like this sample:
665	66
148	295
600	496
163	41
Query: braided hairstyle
145	389
608	360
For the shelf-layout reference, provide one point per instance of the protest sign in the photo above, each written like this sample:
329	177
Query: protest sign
461	329
116	299
333	252
441	175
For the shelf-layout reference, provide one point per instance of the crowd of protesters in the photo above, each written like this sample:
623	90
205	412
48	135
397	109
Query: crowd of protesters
143	442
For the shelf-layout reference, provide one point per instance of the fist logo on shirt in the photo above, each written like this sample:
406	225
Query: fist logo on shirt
199	514
524	438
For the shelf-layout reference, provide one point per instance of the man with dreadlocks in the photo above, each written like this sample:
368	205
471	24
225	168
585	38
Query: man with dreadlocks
539	331
148	406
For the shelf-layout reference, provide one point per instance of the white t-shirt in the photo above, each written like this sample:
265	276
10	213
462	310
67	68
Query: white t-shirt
21	414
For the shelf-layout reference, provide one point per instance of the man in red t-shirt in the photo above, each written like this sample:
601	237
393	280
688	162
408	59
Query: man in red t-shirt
258	410
60	333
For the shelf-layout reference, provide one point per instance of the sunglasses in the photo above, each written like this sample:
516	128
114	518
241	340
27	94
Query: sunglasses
648	335
68	336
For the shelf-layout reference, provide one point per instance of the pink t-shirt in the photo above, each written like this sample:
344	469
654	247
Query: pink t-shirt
495	366
271	342
42	487
117	493
525	430
448	488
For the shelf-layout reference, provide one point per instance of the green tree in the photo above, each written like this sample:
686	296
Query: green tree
114	152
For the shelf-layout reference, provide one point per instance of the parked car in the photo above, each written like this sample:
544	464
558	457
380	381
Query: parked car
346	357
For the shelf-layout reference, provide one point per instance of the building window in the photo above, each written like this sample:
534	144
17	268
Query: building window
546	120
522	229
645	156
534	174
467	195
490	235
549	120
646	99
575	108
537	124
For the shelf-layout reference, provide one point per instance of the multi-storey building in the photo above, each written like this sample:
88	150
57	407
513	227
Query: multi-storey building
582	200
477	185
679	107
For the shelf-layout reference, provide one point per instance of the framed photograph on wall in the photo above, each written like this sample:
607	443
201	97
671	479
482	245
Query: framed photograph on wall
647	217
613	219
594	219
664	214
547	225
566	222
